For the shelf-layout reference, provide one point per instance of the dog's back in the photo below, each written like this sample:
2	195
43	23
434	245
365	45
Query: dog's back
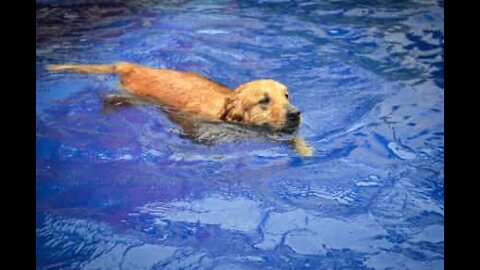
180	90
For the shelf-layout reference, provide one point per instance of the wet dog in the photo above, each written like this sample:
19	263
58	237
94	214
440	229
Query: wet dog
259	103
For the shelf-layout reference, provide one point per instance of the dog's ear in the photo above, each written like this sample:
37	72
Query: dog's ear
234	110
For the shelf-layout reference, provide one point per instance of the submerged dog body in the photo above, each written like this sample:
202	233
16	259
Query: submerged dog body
259	103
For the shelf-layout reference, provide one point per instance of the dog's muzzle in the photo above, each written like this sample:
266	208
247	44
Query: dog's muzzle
292	120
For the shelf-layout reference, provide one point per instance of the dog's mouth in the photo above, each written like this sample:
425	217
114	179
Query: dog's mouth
291	126
288	128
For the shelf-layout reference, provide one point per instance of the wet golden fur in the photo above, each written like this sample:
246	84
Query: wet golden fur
192	93
258	102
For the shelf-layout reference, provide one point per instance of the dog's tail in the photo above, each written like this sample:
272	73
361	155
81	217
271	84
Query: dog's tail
113	68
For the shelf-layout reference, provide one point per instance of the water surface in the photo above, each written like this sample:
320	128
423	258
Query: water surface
123	190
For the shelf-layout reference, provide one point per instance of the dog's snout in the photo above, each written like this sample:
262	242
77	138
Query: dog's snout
292	121
293	115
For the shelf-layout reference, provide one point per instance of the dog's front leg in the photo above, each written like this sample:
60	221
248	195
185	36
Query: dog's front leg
302	147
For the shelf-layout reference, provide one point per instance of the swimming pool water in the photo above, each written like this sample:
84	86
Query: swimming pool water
123	190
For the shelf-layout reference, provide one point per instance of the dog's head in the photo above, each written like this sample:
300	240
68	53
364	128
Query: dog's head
263	103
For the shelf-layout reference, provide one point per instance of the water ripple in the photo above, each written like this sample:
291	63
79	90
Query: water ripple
125	189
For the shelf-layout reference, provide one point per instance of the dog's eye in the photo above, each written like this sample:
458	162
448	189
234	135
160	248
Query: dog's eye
264	101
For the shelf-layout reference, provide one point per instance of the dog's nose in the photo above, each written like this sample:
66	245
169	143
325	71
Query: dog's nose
293	115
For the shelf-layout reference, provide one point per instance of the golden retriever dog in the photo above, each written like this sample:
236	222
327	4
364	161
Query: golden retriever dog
259	103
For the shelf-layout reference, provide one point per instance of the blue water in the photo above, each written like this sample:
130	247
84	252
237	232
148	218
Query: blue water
123	190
